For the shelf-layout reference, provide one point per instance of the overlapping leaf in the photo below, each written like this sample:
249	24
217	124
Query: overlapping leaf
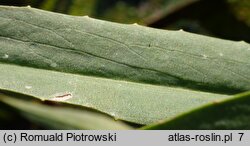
131	72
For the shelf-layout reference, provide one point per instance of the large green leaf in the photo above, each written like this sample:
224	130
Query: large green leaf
87	46
58	117
233	113
110	66
139	103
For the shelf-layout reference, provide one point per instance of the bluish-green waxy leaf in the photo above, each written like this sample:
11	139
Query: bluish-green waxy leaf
130	72
135	102
86	46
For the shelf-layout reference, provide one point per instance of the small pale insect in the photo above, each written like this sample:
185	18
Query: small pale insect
62	96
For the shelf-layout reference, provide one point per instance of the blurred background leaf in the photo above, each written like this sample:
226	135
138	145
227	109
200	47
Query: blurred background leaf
20	111
228	19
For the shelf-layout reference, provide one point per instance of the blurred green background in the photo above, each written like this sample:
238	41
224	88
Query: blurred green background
228	19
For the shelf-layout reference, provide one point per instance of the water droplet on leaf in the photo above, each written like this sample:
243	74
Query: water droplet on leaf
28	87
204	56
53	65
5	56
